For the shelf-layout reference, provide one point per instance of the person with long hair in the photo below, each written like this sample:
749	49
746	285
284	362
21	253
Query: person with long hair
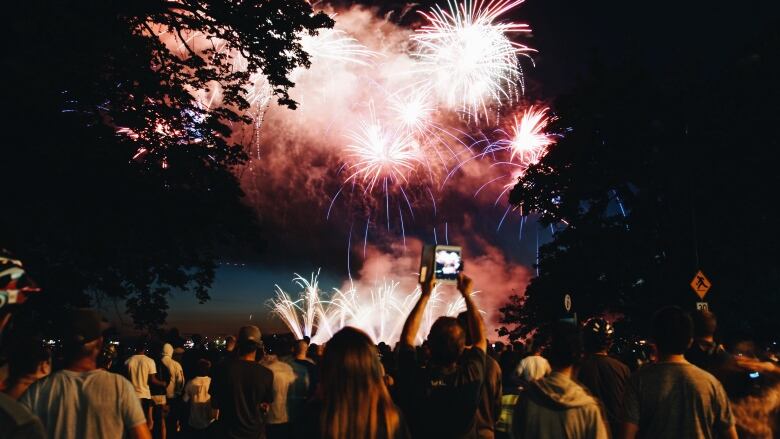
353	401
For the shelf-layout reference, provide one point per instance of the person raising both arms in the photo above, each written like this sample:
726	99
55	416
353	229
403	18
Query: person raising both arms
441	400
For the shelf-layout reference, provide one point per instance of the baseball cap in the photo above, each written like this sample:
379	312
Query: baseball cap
249	333
83	325
15	284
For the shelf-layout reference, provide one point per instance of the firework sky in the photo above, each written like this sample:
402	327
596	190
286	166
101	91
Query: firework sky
297	167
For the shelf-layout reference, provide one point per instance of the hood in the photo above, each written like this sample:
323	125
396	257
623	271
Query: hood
167	350
559	391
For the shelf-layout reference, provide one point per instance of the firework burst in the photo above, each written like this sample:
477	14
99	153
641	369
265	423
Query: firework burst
466	56
376	154
413	110
530	141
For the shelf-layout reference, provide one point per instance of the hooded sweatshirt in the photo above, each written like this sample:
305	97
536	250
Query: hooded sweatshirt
176	384
556	407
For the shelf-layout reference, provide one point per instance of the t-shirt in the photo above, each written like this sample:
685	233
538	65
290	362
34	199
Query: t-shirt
490	401
313	372
196	392
139	367
238	389
284	377
176	383
298	393
439	404
676	400
532	368
17	422
77	405
606	378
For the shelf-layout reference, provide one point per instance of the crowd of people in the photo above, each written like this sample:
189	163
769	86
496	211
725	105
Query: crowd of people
449	383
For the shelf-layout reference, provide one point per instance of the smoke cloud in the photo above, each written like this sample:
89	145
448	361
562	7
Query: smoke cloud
296	178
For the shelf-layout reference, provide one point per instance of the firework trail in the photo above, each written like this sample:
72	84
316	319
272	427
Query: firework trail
336	45
466	57
380	312
308	305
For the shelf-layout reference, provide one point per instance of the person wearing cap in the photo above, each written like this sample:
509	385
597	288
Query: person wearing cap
605	377
83	401
243	390
16	420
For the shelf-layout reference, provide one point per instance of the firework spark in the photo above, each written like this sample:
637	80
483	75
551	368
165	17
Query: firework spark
336	45
530	141
308	305
466	56
376	153
380	311
412	111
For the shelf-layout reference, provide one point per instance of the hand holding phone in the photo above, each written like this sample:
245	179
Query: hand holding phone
465	284
441	262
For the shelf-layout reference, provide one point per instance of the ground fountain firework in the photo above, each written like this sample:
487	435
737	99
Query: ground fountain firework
380	311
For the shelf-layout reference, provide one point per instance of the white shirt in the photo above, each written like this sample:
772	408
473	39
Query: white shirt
79	405
284	377
197	391
139	367
532	368
176	384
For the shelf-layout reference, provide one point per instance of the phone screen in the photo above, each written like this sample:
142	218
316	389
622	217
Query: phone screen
447	263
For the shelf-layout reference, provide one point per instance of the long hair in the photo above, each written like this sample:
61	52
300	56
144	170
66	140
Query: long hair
356	403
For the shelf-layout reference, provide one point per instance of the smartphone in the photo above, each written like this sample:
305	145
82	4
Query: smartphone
443	262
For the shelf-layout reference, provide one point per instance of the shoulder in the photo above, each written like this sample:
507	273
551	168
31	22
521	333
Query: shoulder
476	354
109	380
16	413
261	371
285	366
617	364
531	359
43	387
492	365
702	377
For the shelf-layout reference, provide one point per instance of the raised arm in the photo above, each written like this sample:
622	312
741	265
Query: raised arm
412	324
465	286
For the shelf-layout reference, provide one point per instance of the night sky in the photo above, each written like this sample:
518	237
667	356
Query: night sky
675	39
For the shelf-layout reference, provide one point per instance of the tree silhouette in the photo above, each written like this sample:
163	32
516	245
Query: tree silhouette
657	177
119	184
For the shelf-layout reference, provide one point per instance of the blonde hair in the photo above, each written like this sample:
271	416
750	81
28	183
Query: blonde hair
356	402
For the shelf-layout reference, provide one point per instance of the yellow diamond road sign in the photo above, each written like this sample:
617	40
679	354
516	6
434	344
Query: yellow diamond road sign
701	284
